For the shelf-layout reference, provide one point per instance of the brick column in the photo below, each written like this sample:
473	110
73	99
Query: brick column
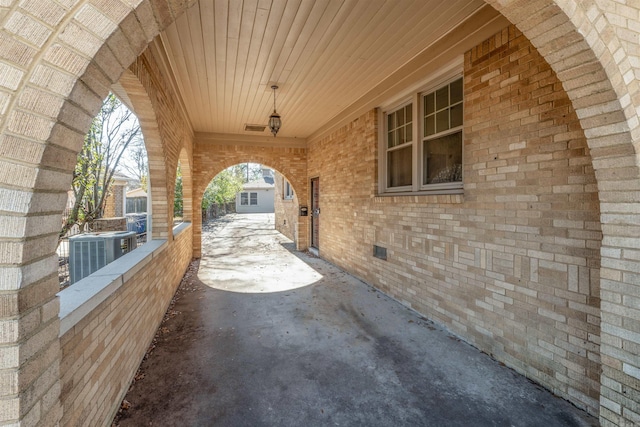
30	204
302	243
196	222
187	186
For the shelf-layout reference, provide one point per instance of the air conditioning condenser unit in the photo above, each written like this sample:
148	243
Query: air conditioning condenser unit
90	252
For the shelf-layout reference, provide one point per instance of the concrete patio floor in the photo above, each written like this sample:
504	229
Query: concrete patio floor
266	336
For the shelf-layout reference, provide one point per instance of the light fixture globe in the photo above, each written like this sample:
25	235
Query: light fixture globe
274	120
274	123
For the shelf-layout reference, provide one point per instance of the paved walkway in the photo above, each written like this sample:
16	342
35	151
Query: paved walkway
265	336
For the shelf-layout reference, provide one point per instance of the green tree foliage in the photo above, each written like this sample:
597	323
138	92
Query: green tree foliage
249	171
177	195
223	188
113	130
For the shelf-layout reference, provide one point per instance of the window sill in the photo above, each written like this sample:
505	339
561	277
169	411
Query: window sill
440	198
82	297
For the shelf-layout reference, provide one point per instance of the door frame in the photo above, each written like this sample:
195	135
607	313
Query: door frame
314	242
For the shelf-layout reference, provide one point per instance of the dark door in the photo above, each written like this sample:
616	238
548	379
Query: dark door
315	213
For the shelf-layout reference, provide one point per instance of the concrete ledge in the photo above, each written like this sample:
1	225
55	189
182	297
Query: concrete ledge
180	228
82	297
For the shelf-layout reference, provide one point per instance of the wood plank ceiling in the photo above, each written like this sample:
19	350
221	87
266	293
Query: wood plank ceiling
324	55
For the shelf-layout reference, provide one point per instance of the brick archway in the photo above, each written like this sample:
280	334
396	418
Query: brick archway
55	77
155	152
211	159
591	58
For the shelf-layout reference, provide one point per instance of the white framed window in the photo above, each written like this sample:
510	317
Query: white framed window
421	138
287	193
399	147
441	146
253	199
244	199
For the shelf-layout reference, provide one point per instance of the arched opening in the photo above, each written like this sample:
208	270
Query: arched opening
100	222
158	221
187	186
242	249
177	197
213	159
250	186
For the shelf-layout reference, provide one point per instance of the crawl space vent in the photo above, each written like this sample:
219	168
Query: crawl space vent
380	252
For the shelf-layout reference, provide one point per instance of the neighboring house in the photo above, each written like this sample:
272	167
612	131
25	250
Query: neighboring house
114	207
136	201
257	196
115	203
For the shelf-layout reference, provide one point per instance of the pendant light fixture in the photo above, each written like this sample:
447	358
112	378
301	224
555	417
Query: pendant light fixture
274	119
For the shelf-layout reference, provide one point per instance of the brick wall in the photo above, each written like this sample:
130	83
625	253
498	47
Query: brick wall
119	200
109	224
512	265
113	202
109	205
286	210
101	353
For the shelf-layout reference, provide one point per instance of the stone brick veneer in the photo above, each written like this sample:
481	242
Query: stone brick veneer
101	352
512	265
